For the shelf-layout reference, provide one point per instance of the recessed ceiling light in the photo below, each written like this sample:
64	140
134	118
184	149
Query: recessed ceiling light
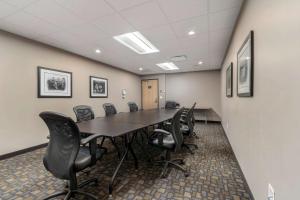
200	62
168	66
136	42
191	32
141	69
98	51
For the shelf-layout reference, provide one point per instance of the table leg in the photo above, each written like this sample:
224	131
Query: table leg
110	187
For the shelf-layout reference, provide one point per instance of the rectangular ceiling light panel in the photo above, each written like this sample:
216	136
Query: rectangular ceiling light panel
168	66
136	42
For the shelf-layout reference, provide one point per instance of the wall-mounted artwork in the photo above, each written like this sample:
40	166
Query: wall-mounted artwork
229	80
98	87
54	83
245	58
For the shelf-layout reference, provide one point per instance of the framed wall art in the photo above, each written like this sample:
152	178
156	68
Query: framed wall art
98	87
229	80
54	83
245	68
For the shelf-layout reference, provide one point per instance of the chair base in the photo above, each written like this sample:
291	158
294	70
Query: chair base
70	193
188	147
176	163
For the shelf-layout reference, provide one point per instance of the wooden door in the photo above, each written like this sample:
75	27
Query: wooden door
149	94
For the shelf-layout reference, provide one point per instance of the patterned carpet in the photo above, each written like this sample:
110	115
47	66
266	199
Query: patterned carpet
214	174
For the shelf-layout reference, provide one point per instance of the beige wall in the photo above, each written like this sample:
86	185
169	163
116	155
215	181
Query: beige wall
186	88
20	126
265	130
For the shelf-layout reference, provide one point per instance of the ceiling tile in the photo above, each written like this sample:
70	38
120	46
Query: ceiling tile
123	4
52	12
87	32
197	24
218	5
90	10
19	30
6	9
144	16
223	19
179	9
159	34
20	3
113	25
28	22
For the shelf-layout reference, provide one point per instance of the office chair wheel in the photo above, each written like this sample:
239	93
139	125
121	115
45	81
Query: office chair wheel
186	174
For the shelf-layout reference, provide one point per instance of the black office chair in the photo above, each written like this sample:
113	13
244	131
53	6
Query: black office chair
83	113
109	109
169	141
187	127
171	105
65	156
133	107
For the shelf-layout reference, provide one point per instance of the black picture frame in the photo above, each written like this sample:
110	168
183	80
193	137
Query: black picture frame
229	80
92	91
43	90
245	66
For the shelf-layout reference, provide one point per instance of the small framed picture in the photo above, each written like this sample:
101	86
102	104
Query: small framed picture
98	87
245	59
229	80
54	83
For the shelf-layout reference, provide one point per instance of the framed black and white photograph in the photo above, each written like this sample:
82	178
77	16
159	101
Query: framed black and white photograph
98	87
245	58
229	80
54	83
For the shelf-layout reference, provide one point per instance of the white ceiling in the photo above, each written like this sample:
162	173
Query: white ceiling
81	26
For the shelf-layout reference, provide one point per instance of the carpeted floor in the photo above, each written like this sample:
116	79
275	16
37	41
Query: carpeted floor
214	174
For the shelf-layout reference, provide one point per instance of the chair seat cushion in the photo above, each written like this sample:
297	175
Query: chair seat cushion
84	157
168	142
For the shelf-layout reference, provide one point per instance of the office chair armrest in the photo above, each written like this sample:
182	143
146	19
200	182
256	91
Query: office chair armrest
90	138
161	131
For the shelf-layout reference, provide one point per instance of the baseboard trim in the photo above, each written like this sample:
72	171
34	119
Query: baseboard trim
22	151
239	166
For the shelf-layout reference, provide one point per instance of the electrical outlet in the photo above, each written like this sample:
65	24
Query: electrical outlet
271	192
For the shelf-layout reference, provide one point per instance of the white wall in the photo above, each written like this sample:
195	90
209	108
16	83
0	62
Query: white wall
265	130
20	125
202	87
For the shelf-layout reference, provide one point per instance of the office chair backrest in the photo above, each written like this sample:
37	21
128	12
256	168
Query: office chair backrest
83	113
176	132
109	109
63	145
190	118
171	105
133	107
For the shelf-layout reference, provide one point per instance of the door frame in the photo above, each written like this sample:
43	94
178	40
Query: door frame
150	79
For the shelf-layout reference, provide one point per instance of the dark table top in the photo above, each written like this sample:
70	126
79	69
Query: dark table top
122	123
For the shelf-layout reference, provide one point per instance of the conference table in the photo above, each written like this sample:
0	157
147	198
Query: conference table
121	125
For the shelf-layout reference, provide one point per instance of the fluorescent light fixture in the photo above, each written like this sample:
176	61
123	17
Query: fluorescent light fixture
191	32
141	69
168	66
200	62
136	42
98	51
